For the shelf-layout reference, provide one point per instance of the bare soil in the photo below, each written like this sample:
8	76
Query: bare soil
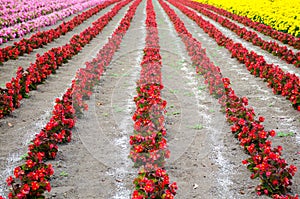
205	158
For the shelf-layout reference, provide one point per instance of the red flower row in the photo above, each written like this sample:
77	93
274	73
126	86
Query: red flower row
49	62
266	30
31	179
272	47
286	84
43	38
265	162
87	78
148	144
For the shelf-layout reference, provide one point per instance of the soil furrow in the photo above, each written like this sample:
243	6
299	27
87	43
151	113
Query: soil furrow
9	68
19	128
261	35
207	165
206	160
267	56
277	111
102	134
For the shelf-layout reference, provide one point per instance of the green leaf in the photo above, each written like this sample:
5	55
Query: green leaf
174	91
197	127
282	134
202	87
256	175
176	113
271	104
26	95
188	94
64	174
24	156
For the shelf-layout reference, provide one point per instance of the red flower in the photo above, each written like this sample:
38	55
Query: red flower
245	161
136	195
18	171
245	101
40	156
9	181
48	186
275	182
35	185
168	195
149	186
272	133
173	187
25	189
138	148
30	163
261	119
292	169
286	181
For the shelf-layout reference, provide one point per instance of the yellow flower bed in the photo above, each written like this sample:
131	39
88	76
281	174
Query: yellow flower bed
283	15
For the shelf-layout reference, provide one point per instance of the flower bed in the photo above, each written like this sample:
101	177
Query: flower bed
262	28
19	7
148	142
14	14
279	15
272	47
265	162
284	83
19	30
31	179
48	63
42	38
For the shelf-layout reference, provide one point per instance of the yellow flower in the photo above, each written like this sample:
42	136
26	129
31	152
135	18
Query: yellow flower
279	14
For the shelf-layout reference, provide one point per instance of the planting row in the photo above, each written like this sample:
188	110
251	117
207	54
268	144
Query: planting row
265	162
40	39
148	142
284	83
272	47
46	64
10	17
19	6
31	179
280	15
21	29
262	28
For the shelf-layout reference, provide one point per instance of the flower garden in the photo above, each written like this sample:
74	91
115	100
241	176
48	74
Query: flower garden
149	99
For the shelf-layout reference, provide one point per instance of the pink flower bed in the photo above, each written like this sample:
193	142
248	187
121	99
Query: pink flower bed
18	12
31	179
28	79
21	29
43	38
